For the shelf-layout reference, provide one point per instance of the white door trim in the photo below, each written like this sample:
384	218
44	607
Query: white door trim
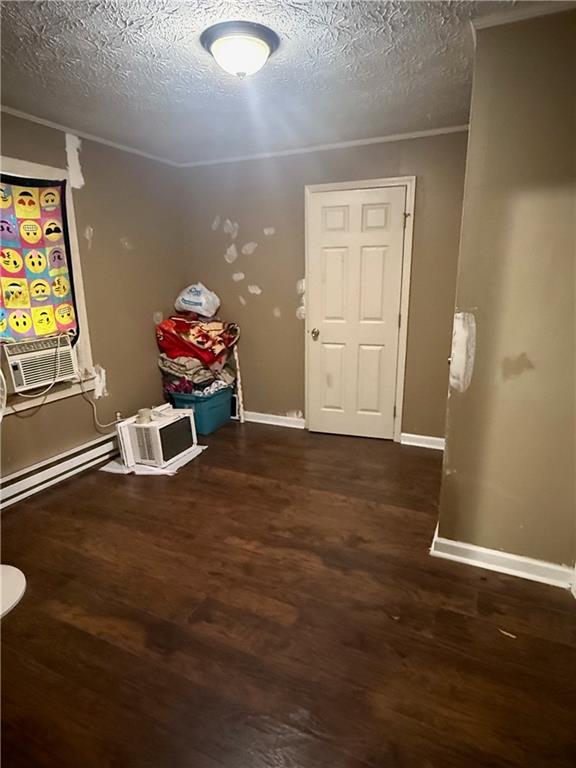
409	182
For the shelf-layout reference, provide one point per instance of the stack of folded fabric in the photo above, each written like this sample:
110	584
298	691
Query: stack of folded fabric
195	355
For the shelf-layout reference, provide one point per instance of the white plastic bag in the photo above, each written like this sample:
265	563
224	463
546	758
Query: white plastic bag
197	298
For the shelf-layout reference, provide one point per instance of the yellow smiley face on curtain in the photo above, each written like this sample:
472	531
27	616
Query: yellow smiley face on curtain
20	321
15	292
11	260
60	286
26	202
53	230
30	232
49	199
36	261
40	290
43	319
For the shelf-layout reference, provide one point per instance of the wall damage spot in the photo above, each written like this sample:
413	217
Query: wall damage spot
231	228
301	291
75	176
295	414
277	312
255	290
463	351
249	248
238	277
216	223
89	234
516	366
242	300
231	254
126	244
100	389
157	317
269	231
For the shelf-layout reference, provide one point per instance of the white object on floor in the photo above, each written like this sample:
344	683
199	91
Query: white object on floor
117	467
170	433
13	587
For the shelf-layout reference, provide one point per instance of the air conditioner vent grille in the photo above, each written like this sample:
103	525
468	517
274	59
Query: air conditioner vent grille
39	363
43	367
145	445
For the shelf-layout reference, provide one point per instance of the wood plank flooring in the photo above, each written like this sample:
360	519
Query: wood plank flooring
274	606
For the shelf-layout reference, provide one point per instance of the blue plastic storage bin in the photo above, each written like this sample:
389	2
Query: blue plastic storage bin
210	412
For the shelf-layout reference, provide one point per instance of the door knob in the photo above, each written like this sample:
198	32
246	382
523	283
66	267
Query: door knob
315	333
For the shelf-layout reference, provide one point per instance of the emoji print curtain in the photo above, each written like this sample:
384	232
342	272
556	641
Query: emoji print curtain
37	297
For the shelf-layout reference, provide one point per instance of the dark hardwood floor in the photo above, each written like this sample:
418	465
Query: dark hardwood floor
274	605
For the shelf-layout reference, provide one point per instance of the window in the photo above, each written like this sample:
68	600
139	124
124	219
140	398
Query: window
23	169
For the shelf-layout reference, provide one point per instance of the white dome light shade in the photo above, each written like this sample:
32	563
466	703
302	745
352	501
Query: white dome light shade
239	54
240	47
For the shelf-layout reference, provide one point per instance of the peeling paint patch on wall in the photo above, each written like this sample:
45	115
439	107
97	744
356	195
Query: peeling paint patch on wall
277	312
216	223
231	228
301	291
463	351
238	277
126	244
249	248
231	254
512	367
89	234
269	231
242	300
100	389
75	176
255	290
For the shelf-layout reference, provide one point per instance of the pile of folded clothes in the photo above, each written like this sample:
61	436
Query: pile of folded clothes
196	355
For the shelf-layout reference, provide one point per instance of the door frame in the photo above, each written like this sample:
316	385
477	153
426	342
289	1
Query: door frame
409	182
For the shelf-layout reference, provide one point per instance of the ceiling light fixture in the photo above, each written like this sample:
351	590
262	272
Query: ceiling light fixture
240	47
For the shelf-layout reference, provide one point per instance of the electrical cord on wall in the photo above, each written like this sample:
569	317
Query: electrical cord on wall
97	423
44	394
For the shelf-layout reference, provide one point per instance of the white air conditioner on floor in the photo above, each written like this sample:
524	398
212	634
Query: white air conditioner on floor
38	363
169	434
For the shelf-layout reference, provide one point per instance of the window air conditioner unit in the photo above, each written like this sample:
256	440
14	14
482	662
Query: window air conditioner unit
38	363
169	434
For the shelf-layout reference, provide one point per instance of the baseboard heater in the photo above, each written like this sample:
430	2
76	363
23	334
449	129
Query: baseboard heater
26	482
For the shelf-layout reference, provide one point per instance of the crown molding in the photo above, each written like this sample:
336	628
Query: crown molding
497	19
84	135
239	158
327	147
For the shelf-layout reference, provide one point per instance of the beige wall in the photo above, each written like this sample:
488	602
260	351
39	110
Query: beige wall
165	214
270	193
124	196
510	459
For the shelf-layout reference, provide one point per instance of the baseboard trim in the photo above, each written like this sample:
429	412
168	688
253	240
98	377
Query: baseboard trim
26	482
277	421
423	441
503	562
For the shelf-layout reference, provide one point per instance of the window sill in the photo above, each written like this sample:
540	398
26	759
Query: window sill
18	404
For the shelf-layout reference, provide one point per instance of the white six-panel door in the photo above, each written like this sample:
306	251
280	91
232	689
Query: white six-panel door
353	292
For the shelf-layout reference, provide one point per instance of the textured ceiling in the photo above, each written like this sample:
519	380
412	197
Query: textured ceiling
134	72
